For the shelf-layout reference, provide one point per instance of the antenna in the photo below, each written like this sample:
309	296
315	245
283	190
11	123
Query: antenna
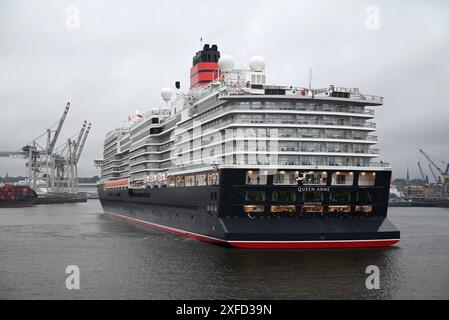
310	77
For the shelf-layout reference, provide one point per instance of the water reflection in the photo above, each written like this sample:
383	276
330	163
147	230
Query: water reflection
219	272
120	260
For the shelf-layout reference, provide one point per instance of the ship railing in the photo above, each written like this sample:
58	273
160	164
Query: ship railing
231	107
367	151
241	88
140	144
372	99
380	164
369	125
365	138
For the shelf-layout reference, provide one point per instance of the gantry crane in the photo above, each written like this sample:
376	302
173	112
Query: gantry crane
58	168
435	177
444	174
52	142
424	177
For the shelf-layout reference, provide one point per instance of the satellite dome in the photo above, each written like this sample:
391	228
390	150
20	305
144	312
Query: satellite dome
166	94
226	63
257	64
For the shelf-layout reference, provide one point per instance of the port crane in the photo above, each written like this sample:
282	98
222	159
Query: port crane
444	174
435	177
424	177
58	166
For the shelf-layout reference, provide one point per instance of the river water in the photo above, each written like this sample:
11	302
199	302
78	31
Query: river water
121	261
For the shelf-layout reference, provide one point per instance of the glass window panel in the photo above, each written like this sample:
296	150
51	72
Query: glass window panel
367	179
286	178
180	181
212	178
312	209
255	177
253	209
282	209
340	196
254	196
201	180
189	181
311	196
364	197
315	178
343	178
339	209
284	196
364	209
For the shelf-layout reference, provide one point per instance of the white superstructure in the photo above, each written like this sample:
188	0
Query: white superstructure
237	120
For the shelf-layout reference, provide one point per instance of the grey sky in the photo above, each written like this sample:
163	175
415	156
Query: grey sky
125	52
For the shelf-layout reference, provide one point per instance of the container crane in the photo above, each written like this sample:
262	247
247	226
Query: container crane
444	174
83	142
78	147
51	144
58	163
424	177
437	178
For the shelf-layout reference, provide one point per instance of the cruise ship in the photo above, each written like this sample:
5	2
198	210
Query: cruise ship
239	162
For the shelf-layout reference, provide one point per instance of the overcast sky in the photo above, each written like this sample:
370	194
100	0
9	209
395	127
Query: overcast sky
124	52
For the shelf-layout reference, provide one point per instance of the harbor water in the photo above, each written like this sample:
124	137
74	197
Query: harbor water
122	261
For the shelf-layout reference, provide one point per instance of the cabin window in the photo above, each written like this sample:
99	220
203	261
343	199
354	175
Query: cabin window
282	209
364	209
270	105
339	209
180	181
253	209
285	105
212	208
342	178
364	197
257	105
212	178
254	196
171	182
300	106
284	196
315	178
254	177
312	196
286	178
340	196
201	180
367	179
287	133
312	209
190	181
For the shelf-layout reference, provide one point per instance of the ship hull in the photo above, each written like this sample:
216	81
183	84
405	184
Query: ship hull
16	196
182	211
17	204
268	244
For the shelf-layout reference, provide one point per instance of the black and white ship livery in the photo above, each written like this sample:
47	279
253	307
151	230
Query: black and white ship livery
238	162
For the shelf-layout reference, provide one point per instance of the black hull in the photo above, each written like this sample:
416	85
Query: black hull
57	199
183	211
17	204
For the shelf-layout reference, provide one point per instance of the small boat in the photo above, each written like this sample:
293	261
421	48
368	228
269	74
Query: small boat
16	196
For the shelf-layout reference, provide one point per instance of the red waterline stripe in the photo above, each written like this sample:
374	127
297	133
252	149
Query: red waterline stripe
264	244
313	244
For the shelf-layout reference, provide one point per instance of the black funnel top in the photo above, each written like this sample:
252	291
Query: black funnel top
208	54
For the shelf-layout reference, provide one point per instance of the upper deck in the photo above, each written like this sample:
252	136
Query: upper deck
235	119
